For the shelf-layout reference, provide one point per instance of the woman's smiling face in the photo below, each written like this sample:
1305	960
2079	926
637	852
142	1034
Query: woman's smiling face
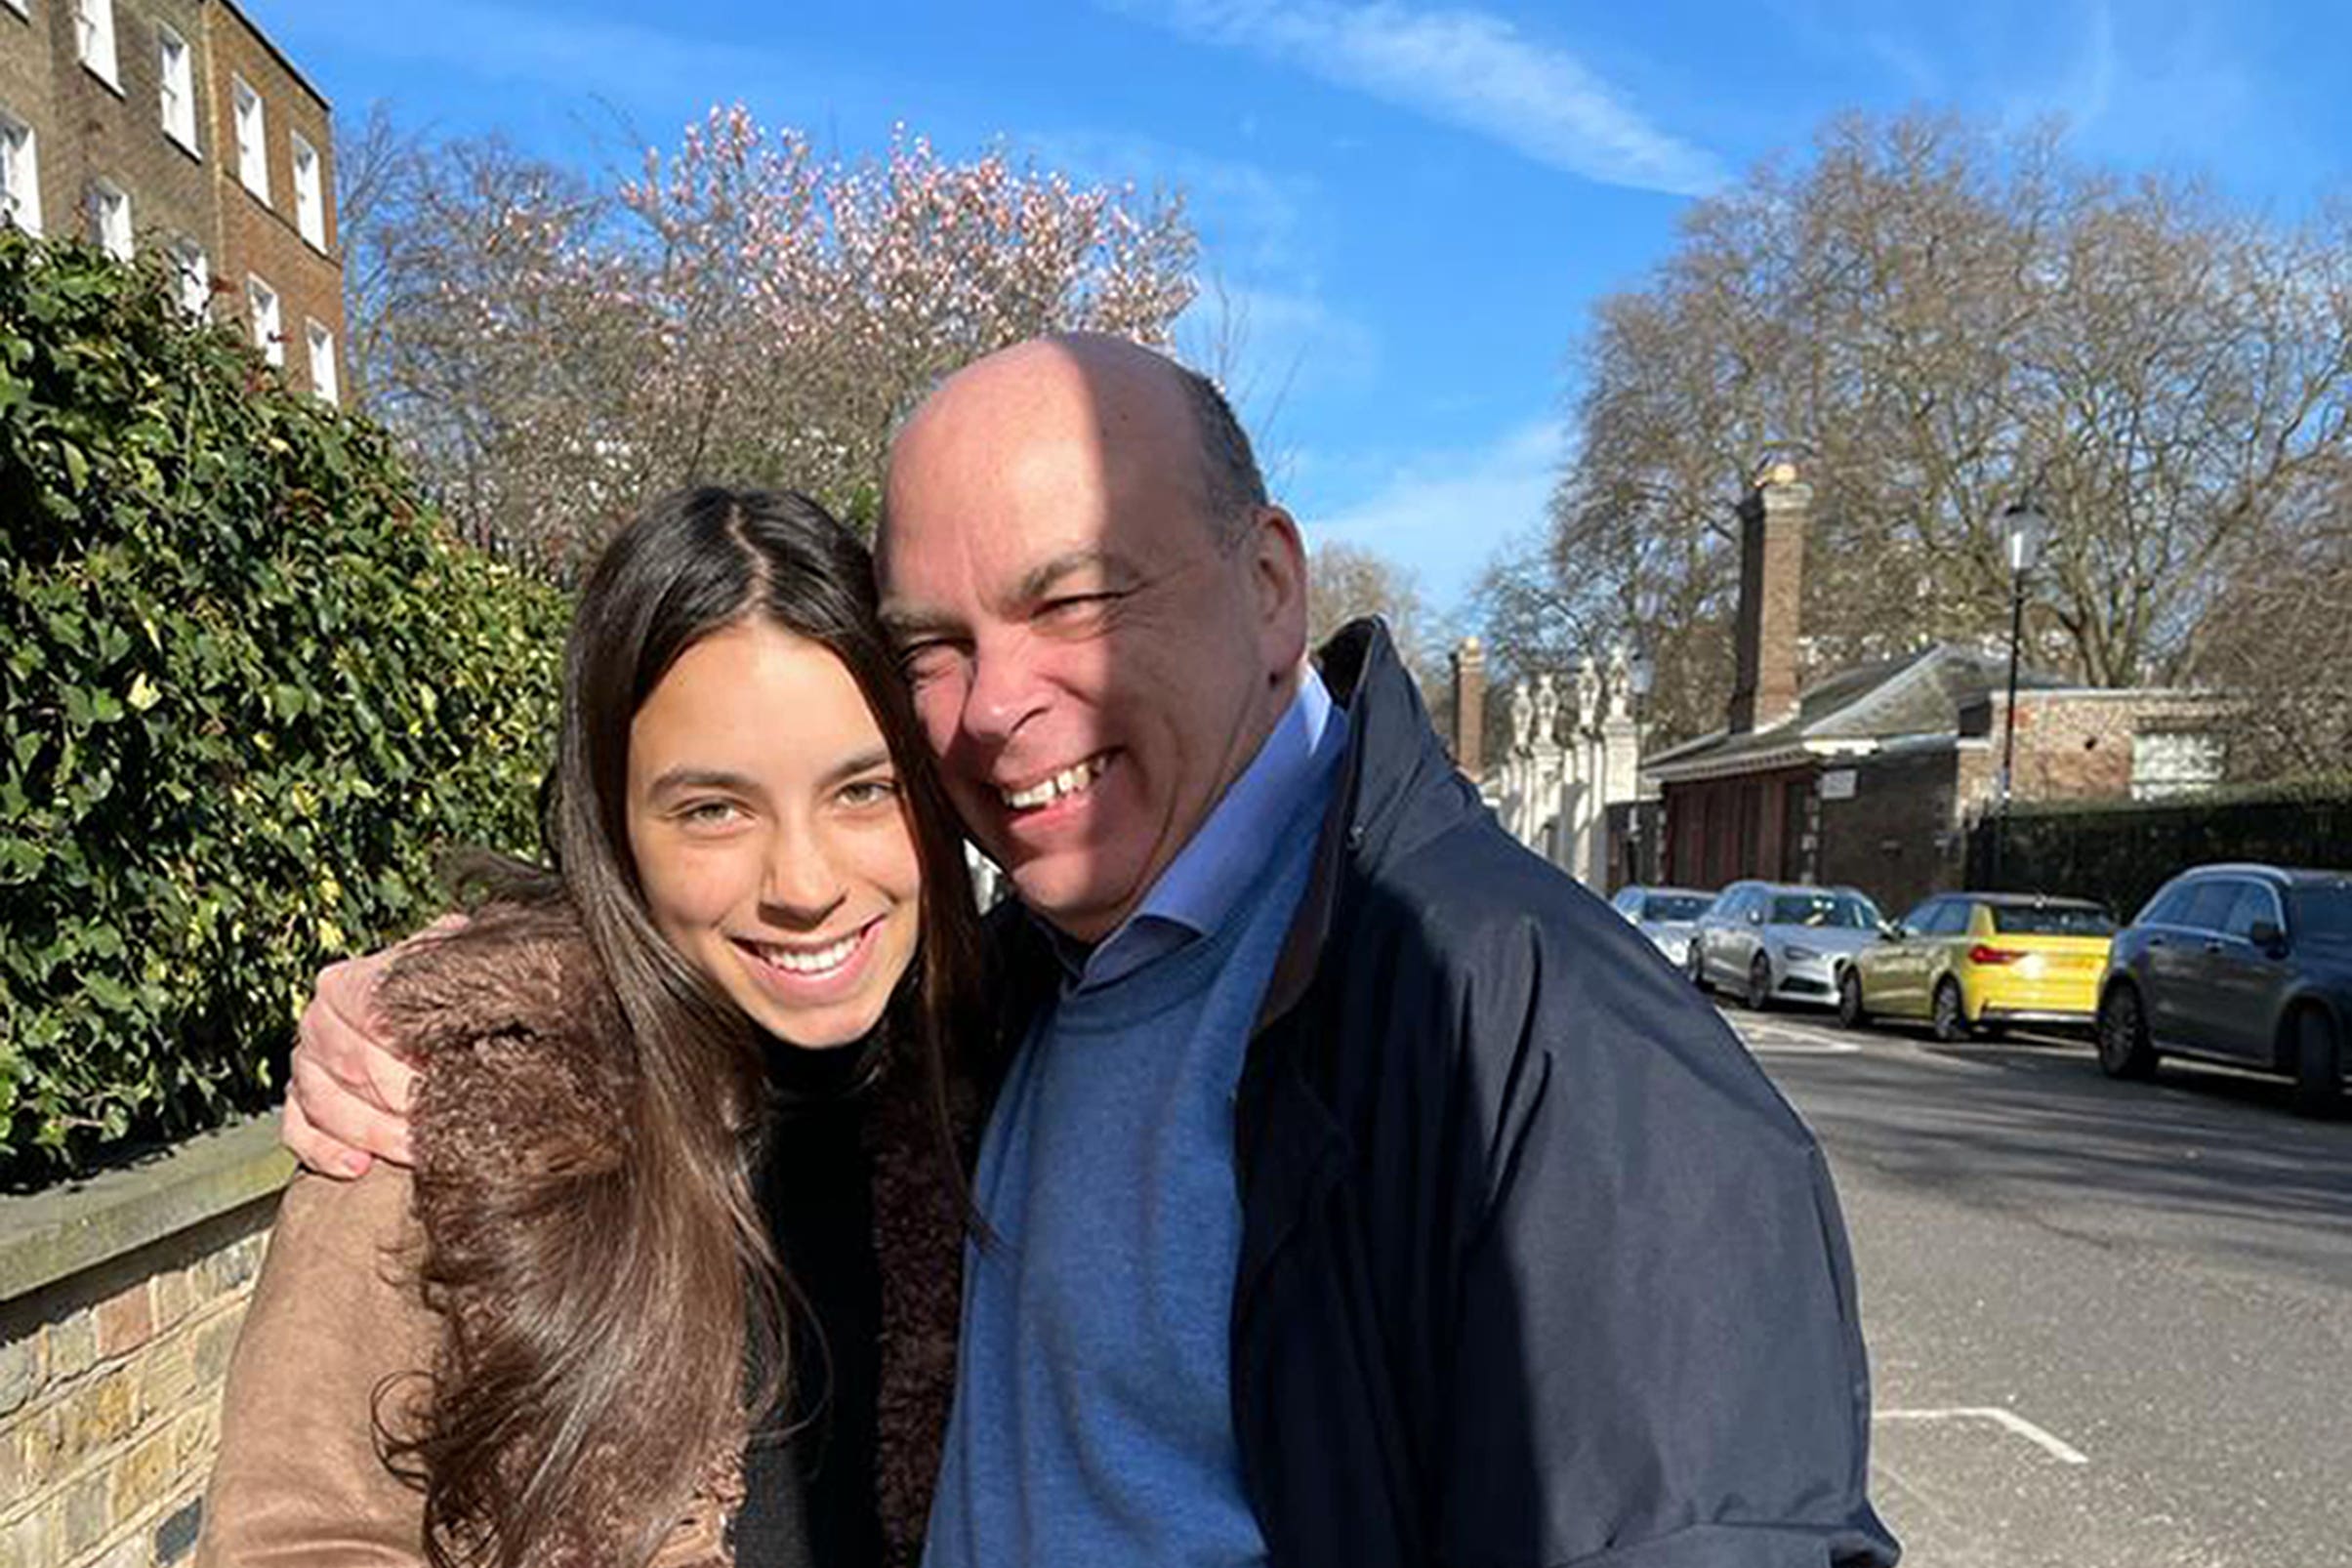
769	833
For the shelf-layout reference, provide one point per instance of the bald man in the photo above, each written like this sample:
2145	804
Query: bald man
1359	1191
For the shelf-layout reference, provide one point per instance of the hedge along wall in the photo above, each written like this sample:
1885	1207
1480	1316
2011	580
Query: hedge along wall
2120	853
249	687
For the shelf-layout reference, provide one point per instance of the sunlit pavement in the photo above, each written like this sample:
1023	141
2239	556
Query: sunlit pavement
2110	1324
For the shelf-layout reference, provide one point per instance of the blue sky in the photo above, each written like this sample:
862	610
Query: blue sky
1408	208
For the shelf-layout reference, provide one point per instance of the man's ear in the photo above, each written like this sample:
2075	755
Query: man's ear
1278	564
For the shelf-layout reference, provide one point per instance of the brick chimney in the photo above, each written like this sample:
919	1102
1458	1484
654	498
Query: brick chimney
1469	707
1772	580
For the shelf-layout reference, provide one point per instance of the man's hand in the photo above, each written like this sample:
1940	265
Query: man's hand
346	1097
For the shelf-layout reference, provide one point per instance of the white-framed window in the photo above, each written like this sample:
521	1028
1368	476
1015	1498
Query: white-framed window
309	197
20	174
321	344
94	37
110	217
2168	764
175	86
195	277
23	8
268	334
253	143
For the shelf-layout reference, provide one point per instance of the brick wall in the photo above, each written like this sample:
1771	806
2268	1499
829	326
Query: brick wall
260	238
28	91
2077	744
88	130
110	1374
1897	835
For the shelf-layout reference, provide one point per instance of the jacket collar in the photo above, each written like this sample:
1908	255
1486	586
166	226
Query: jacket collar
1397	789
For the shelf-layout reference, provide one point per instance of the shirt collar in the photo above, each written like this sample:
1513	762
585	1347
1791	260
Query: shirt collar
1201	885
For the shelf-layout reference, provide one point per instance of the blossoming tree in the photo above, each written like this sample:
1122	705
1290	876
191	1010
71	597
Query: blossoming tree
746	309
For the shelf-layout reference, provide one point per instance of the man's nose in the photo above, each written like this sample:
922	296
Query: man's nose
1007	687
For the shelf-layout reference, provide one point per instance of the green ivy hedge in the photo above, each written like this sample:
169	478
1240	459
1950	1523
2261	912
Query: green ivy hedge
249	687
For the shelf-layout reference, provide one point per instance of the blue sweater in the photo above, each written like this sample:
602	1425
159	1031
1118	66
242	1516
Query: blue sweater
1092	1421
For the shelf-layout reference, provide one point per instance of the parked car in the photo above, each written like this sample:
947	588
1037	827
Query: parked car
2242	963
1779	941
1664	915
1980	962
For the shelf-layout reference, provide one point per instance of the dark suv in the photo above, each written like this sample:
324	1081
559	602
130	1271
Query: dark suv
2247	965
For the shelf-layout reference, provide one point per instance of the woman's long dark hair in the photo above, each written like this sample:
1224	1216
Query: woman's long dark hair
607	1314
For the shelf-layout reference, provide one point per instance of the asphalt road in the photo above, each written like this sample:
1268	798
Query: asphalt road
2110	1324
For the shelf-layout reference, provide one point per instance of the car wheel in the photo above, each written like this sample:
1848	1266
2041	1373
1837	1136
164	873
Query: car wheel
1850	1012
1758	995
1694	965
1949	1018
2125	1049
2319	1068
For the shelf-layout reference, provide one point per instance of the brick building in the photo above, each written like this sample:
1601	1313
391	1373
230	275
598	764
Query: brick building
275	180
175	126
1870	776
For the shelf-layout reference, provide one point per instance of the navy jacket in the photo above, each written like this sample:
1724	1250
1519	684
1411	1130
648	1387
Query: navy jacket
1538	1270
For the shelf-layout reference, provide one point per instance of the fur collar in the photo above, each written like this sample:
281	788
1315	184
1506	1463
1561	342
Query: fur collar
525	1068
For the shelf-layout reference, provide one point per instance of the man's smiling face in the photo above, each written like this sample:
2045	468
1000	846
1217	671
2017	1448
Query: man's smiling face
1095	657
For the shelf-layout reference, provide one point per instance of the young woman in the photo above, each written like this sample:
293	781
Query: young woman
673	1278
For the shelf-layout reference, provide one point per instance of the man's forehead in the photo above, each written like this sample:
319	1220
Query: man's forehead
1001	564
1012	508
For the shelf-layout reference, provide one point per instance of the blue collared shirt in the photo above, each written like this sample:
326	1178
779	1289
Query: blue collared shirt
1201	883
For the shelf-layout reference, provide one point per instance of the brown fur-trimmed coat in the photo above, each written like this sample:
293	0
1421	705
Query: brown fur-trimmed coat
513	1067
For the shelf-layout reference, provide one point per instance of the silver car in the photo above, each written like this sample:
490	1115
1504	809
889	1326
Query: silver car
1774	941
1667	916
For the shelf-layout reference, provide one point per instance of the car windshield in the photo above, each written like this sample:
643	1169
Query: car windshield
1676	906
2053	920
1837	911
2324	911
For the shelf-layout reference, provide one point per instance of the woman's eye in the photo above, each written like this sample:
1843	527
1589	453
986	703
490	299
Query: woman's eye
709	814
868	791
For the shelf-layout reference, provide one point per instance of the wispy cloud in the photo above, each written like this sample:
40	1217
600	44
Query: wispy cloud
1467	68
2184	96
628	63
1445	512
2088	89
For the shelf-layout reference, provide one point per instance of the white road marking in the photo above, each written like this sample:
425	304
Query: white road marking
2010	1420
1791	1040
1799	1046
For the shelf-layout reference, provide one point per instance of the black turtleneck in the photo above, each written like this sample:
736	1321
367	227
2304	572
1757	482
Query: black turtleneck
808	1473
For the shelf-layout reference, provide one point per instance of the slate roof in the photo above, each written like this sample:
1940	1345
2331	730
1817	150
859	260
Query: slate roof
1919	695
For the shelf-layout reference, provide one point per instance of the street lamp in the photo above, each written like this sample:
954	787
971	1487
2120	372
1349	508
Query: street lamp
2022	529
1641	673
1645	861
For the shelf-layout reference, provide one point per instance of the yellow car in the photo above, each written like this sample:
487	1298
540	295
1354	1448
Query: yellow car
1969	963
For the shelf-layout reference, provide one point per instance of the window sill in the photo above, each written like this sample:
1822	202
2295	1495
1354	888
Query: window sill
187	147
113	80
